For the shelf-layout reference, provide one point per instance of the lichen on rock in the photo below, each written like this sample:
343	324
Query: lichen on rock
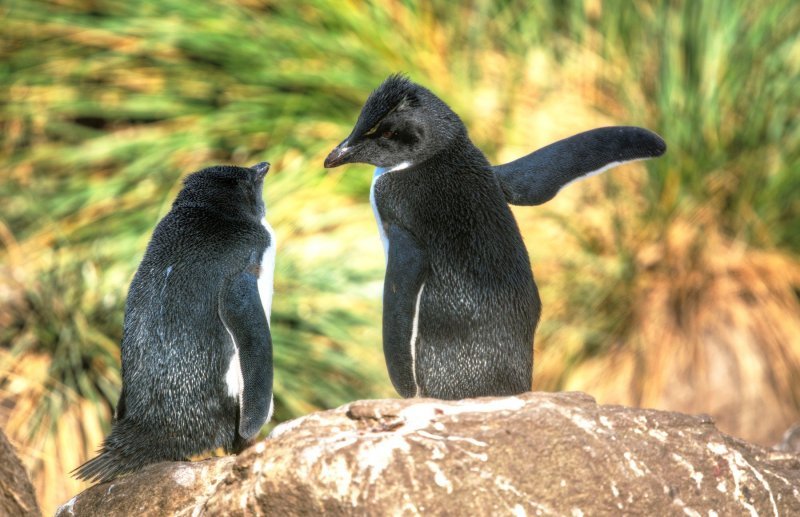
533	454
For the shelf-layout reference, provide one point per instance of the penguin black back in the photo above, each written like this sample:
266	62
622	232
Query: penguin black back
460	303
196	345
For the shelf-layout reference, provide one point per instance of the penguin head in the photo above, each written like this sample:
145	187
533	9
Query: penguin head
400	125
227	187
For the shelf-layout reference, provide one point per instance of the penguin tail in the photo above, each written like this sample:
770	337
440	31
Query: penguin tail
122	452
105	467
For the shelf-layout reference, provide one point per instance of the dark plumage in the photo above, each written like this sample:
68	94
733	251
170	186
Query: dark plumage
537	177
196	345
530	180
460	303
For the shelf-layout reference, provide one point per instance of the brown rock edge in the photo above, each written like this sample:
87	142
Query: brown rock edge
17	496
533	454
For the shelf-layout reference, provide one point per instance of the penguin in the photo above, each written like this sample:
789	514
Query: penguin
460	305
196	346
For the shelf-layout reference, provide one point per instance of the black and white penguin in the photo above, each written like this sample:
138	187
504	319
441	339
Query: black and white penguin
196	345
459	305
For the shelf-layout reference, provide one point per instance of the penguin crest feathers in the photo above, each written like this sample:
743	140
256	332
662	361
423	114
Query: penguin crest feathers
396	93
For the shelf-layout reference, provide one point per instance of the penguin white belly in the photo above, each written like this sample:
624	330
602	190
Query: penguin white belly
384	239
267	273
266	280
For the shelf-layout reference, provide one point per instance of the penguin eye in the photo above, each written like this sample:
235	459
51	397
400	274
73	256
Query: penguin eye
387	134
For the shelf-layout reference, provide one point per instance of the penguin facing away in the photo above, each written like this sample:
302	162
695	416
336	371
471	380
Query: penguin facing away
196	345
460	305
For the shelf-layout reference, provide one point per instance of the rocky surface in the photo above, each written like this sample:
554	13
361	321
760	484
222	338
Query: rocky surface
16	492
534	454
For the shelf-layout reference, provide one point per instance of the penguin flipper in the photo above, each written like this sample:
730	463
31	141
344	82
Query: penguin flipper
537	177
243	315
406	268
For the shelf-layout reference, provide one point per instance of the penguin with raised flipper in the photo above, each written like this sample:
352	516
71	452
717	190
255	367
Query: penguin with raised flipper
196	345
459	304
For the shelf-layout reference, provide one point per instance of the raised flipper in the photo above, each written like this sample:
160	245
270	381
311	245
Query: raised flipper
406	269
536	178
243	315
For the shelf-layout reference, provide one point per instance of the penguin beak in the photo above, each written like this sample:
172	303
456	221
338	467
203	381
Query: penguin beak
339	156
262	168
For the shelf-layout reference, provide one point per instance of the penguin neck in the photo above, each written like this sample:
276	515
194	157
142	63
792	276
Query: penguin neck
381	231
380	171
400	166
225	210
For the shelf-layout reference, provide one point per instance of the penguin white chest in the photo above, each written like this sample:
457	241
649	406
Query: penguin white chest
380	171
267	272
384	239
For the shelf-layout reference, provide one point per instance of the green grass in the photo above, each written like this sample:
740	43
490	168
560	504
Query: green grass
717	81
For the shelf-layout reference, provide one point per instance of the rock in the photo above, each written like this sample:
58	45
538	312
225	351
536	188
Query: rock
537	454
17	496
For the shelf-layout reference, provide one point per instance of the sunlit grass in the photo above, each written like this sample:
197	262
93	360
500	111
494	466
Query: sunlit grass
678	289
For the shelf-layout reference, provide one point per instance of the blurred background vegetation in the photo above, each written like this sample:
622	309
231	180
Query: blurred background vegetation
671	284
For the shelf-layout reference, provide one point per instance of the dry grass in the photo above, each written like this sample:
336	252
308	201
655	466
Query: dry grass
57	440
679	318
